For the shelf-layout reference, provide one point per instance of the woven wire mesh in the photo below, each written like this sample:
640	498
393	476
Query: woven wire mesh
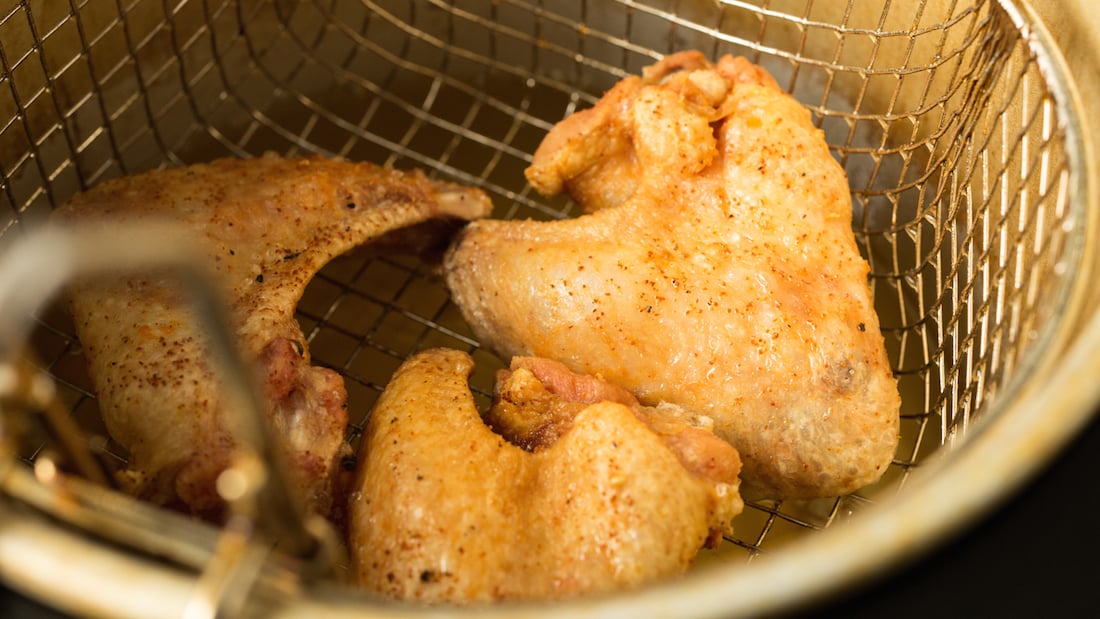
938	111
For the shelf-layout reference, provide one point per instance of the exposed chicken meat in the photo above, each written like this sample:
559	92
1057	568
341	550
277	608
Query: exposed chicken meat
266	225
447	510
716	270
537	399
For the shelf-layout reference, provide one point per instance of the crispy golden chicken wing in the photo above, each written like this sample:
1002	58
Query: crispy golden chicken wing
266	225
716	270
444	509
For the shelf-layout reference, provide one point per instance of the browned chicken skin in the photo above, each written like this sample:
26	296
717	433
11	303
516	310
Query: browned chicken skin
716	270
446	510
266	225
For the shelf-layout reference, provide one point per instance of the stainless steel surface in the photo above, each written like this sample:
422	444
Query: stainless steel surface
960	127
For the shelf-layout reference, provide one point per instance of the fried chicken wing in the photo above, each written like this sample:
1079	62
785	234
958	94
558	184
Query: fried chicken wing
266	225
447	510
716	269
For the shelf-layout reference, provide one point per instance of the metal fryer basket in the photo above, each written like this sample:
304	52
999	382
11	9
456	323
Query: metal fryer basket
955	121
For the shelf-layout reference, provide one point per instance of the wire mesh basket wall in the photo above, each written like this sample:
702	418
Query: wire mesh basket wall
957	137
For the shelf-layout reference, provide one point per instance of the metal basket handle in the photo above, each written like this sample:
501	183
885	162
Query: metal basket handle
33	271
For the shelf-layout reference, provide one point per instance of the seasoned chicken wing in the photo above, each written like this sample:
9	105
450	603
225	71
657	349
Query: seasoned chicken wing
266	225
444	509
716	270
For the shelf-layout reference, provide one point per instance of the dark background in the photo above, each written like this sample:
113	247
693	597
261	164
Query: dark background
1034	556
